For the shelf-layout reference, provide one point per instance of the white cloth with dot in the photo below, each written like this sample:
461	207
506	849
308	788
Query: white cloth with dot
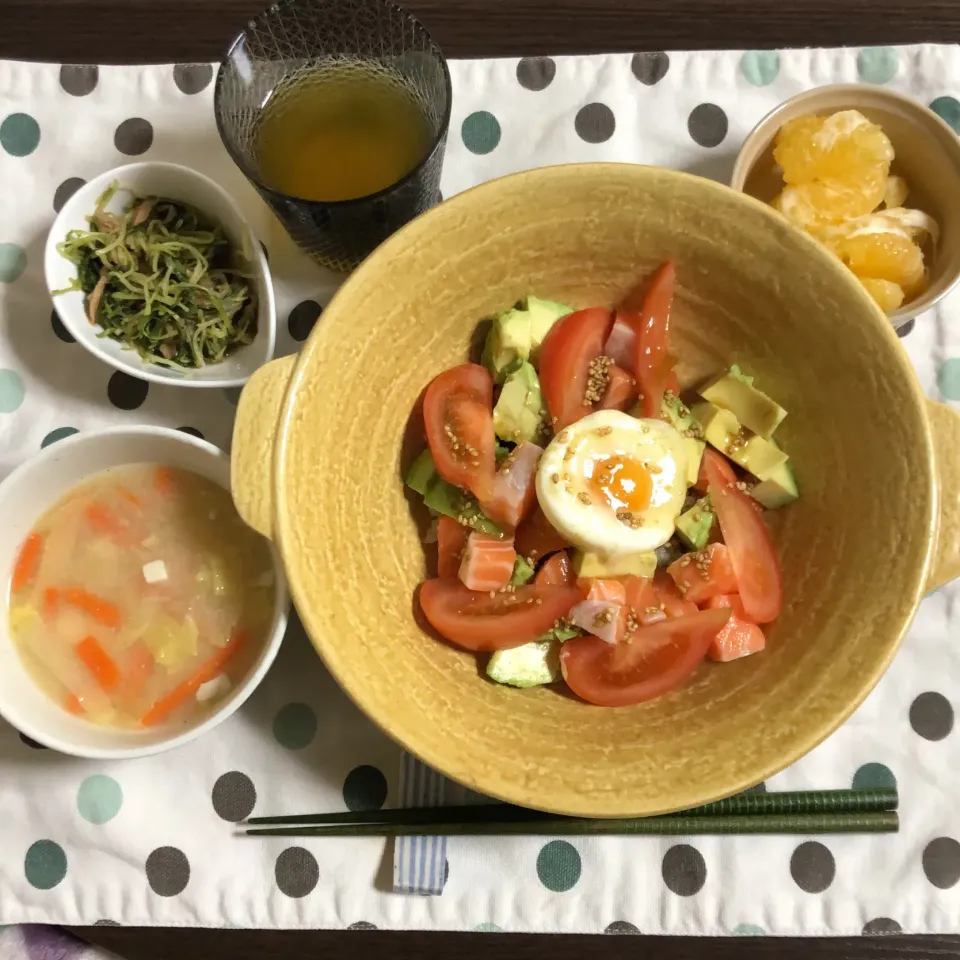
152	841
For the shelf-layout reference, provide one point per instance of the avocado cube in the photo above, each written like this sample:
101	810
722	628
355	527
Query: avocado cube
420	473
586	564
450	501
530	665
724	432
507	342
543	315
522	572
779	489
520	413
694	450
694	525
752	407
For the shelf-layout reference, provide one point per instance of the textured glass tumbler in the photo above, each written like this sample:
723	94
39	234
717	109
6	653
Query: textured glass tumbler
295	37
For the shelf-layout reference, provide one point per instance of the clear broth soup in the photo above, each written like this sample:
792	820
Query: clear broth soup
141	597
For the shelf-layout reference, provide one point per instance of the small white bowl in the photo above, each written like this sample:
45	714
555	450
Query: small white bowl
24	496
177	183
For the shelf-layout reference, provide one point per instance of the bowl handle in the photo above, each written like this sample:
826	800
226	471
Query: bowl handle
254	435
945	424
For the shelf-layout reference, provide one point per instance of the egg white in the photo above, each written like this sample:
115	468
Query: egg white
569	461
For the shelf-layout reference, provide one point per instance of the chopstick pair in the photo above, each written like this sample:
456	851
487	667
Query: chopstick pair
802	812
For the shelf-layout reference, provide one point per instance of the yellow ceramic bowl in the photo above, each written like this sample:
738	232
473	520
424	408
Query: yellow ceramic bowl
321	440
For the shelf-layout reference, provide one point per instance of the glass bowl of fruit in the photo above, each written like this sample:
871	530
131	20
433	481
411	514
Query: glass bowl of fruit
875	177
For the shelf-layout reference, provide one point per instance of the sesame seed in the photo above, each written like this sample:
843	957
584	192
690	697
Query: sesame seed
598	376
555	477
583	498
563	436
603	431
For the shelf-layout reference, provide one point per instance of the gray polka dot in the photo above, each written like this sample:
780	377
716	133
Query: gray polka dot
59	329
621	926
65	191
31	743
941	862
812	867
79	80
907	327
234	796
684	870
536	73
191	78
595	123
133	136
365	788
296	871
106	923
302	318
192	431
168	871
881	925
931	716
362	925
127	392
650	68
707	125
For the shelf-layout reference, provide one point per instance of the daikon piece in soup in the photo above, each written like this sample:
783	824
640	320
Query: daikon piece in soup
140	598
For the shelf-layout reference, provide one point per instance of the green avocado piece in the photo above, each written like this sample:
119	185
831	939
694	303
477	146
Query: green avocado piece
543	315
779	489
450	501
752	407
694	525
530	665
522	572
421	472
517	334
678	414
519	413
744	447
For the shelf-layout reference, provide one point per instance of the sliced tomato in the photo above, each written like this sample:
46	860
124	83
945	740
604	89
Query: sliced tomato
707	573
557	570
752	554
566	353
650	662
722	464
738	637
672	603
643	601
621	345
458	417
477	621
487	562
647	310
514	489
621	390
451	539
536	536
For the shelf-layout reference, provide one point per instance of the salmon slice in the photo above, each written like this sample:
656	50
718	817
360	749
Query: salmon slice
739	637
704	574
594	588
487	562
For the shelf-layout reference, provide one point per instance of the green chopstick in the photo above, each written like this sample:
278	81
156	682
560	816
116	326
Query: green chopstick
673	825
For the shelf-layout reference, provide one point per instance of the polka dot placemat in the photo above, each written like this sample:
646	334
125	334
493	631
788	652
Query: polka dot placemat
152	841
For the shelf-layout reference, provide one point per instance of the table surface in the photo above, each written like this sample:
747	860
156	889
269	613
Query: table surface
144	31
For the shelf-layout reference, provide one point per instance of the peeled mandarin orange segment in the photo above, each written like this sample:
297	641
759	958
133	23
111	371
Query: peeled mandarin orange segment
885	256
896	192
793	149
888	295
831	201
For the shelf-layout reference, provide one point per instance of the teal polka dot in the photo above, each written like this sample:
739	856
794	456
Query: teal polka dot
13	261
19	134
11	391
748	930
59	434
45	864
760	67
480	132
873	776
559	866
949	379
948	110
487	928
99	799
877	64
295	726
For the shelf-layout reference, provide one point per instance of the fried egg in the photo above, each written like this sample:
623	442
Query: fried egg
614	484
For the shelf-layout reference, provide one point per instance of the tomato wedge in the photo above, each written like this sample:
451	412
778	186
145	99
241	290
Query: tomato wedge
514	486
556	571
722	464
536	536
647	310
752	553
477	621
458	417
451	539
621	390
566	353
650	662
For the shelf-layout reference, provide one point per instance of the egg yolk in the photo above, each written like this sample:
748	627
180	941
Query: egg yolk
622	482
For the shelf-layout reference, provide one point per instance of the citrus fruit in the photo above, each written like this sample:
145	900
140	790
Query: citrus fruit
888	295
884	256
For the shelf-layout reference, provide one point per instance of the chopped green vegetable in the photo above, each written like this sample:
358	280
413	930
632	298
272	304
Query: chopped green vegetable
163	280
421	472
564	631
500	451
522	572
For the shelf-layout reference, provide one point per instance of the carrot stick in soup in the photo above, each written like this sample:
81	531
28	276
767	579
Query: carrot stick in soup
72	705
129	496
103	520
100	664
103	611
187	688
27	562
164	479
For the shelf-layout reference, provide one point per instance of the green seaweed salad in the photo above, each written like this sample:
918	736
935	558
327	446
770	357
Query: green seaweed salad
164	280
